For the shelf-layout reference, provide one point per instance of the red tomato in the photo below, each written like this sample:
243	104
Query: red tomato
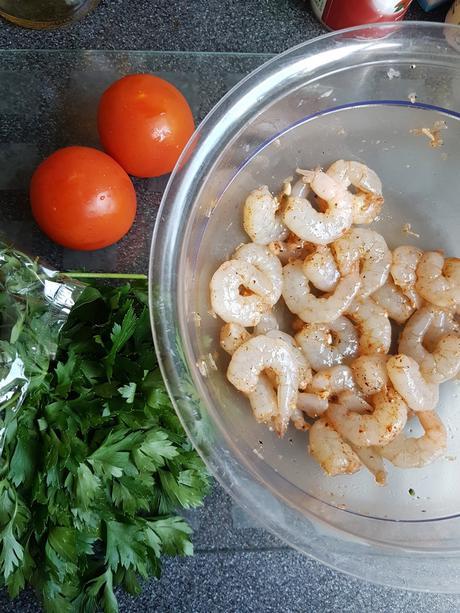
144	123
82	199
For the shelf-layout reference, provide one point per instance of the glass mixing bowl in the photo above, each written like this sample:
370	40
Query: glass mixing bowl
362	94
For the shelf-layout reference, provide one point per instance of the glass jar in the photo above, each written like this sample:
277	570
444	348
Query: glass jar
42	14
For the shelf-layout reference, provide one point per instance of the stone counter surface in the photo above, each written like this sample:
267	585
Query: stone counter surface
238	566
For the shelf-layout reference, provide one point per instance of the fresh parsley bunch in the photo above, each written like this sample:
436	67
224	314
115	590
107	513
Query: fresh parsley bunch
96	463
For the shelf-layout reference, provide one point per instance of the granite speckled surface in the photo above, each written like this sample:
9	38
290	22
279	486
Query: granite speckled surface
238	566
266	26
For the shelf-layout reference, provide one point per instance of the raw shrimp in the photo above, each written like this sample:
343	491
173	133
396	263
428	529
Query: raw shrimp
444	363
452	270
293	248
267	322
332	381
320	269
367	199
424	330
325	345
372	460
299	300
404	374
229	303
261	219
267	263
391	298
371	251
405	260
263	353
438	280
312	404
443	323
263	399
298	420
303	366
353	401
375	429
373	325
232	336
416	452
329	449
311	225
370	373
326	383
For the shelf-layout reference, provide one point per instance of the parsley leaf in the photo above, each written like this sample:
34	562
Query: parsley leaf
96	464
11	553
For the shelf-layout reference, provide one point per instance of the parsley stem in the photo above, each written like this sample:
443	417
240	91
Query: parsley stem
105	275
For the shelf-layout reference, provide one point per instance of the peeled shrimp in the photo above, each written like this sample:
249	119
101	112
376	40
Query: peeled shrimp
443	323
416	452
372	460
311	225
438	279
320	269
263	399
303	366
254	268
371	251
444	363
299	300
232	336
312	404
257	355
293	248
391	298
326	345
405	260
331	381
329	449
326	383
267	322
424	330
267	263
376	429
413	335
373	325
370	373
298	420
367	199
261	219
226	299
404	374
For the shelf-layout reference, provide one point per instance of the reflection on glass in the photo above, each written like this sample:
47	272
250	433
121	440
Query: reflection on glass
45	13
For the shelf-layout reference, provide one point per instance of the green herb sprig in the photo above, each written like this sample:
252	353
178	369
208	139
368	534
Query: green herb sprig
96	463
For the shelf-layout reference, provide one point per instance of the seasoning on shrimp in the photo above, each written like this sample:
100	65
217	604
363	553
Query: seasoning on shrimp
326	345
367	197
371	251
345	290
405	375
262	353
416	452
262	220
438	279
312	309
311	225
387	420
